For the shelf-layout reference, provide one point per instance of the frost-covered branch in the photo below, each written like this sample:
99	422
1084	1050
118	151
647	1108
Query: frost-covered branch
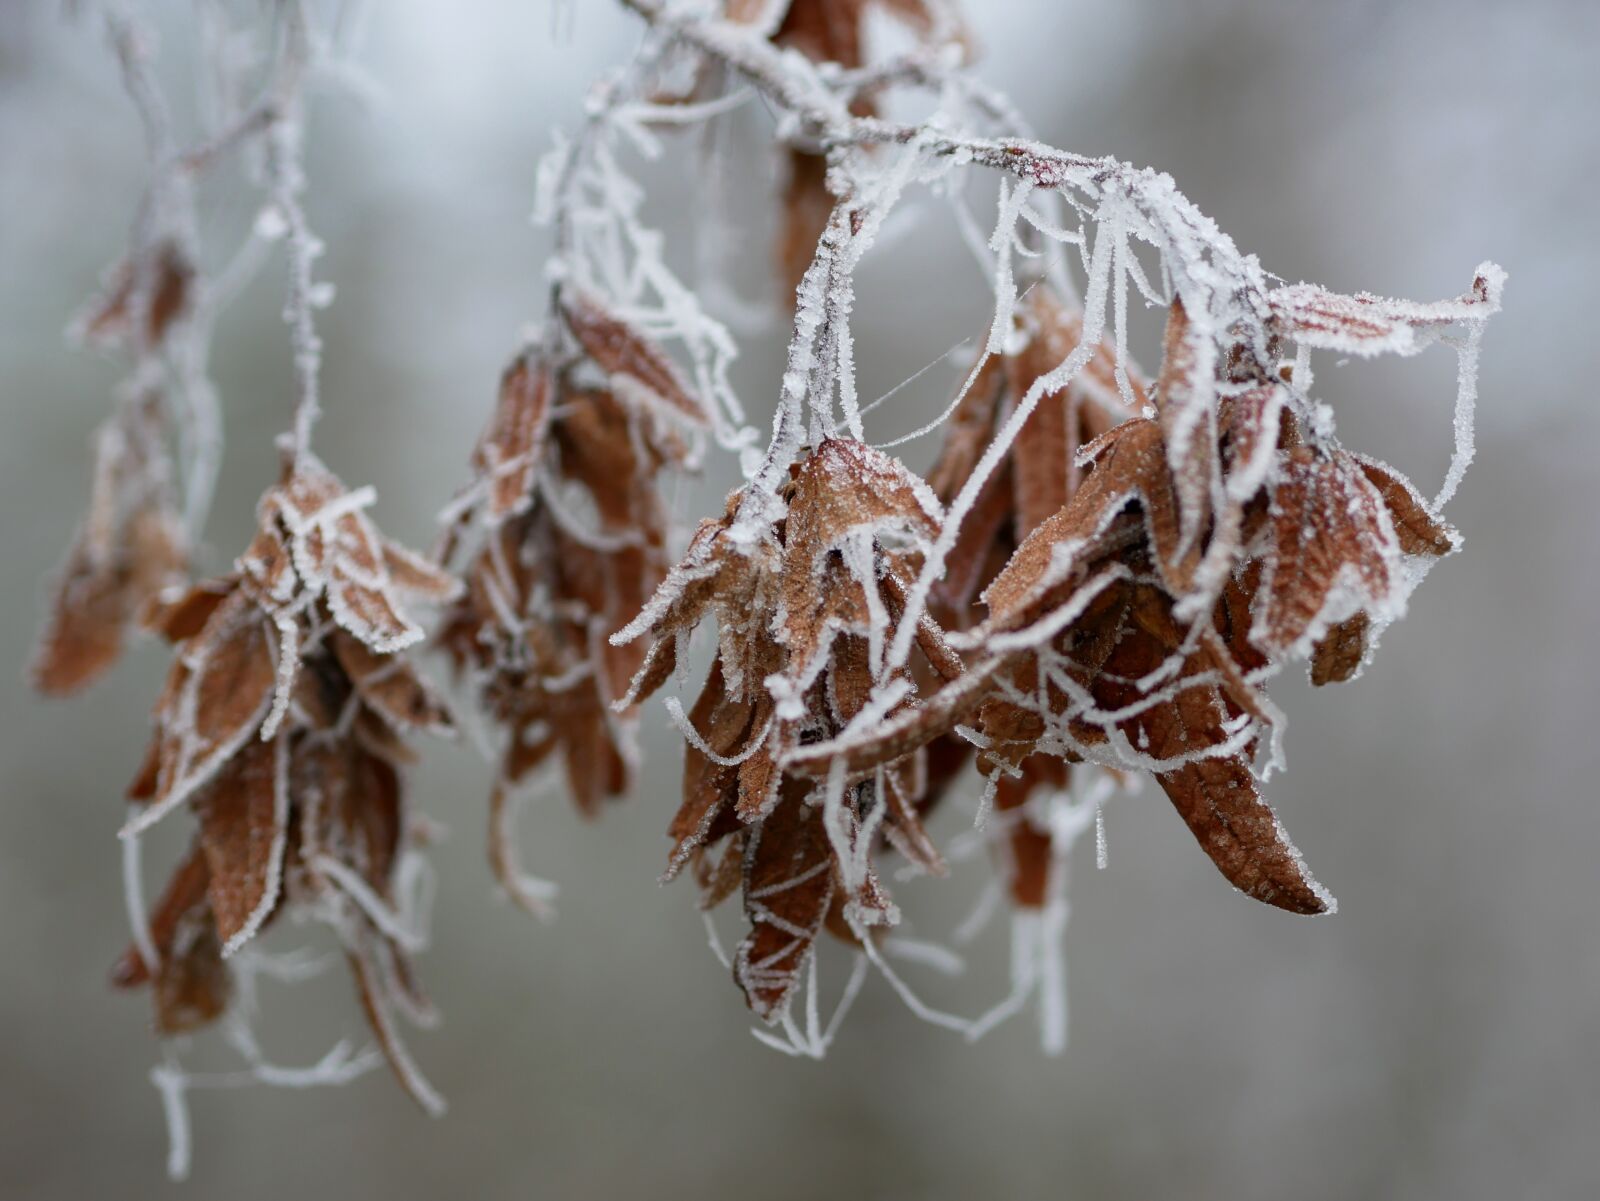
1204	529
1095	582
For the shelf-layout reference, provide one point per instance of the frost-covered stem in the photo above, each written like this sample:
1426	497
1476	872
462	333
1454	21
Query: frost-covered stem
602	100
167	206
133	903
762	63
203	434
604	253
789	422
129	42
253	121
286	178
180	365
283	160
1218	284
825	117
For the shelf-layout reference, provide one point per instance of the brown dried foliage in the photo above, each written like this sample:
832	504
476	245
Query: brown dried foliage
1038	476
1141	560
572	544
144	296
282	726
129	546
1089	547
1090	608
131	543
799	655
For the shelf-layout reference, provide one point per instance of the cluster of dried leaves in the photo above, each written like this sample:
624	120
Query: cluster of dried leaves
1072	624
801	613
1203	547
282	727
131	543
1110	593
283	721
572	540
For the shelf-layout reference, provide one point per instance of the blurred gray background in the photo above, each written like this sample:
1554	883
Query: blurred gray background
1439	1038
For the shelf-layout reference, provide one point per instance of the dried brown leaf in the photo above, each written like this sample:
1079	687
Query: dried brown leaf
636	365
1332	545
1418	529
391	687
1364	324
142	299
789	887
1339	654
191	986
508	454
217	694
1219	801
244	827
129	547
